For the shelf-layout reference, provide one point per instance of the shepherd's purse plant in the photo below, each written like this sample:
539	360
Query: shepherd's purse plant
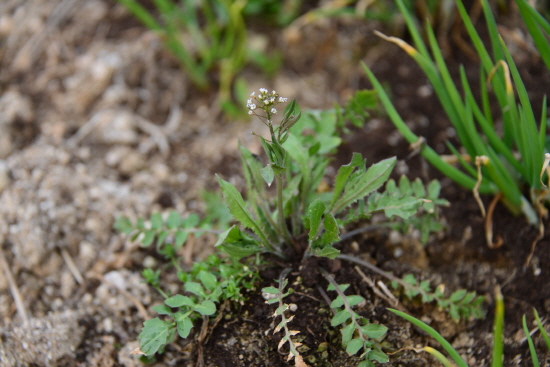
292	222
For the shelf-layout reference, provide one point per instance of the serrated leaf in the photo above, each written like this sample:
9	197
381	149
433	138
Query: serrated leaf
268	174
326	251
173	221
184	327
344	173
208	279
340	317
365	183
457	295
315	215
156	221
236	244
434	188
178	300
374	331
206	307
405	185
332	231
418	188
354	346
238	209
153	335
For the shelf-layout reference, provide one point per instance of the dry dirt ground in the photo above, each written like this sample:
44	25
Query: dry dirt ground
97	121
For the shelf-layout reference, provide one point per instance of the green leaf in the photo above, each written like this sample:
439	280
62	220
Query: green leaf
156	221
340	317
270	290
180	238
457	295
153	335
184	327
268	174
364	184
178	300
195	288
173	221
332	231
326	251
163	310
315	214
347	333
124	225
236	244
354	346
238	209
148	238
208	279
376	355
374	331
206	308
342	177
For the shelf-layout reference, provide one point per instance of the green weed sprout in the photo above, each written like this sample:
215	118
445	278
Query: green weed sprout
498	337
295	222
515	157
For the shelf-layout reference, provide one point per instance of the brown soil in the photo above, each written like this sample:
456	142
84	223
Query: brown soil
98	121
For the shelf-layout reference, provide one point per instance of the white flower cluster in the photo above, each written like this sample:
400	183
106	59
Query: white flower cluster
265	101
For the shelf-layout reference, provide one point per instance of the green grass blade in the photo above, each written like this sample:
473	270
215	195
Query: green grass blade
434	334
439	356
413	29
141	13
486	126
532	22
532	349
427	152
542	330
542	125
498	331
531	152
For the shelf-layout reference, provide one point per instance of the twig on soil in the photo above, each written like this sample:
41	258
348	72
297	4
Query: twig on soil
489	224
388	297
14	290
72	266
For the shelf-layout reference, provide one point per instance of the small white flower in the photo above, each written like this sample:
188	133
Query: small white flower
251	106
273	111
283	99
263	90
272	100
252	94
273	92
250	112
249	102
